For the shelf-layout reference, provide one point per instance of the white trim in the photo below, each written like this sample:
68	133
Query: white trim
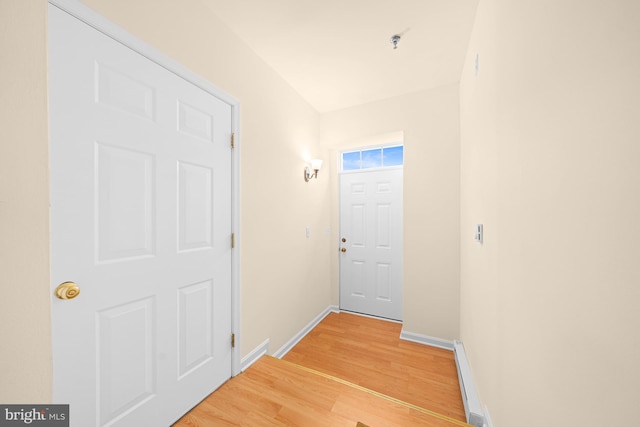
236	364
383	168
426	340
304	331
487	418
470	399
100	23
255	354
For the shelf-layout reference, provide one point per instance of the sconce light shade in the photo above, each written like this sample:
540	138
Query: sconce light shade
316	164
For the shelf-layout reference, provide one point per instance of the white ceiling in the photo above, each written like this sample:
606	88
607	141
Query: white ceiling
337	53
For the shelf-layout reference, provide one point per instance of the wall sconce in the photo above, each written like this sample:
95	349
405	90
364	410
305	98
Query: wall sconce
316	164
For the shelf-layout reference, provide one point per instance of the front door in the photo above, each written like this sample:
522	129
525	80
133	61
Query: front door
141	224
371	242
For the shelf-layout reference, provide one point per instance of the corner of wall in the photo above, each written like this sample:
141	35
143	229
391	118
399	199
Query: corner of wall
25	321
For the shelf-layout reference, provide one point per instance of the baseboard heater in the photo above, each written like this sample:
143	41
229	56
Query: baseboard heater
472	406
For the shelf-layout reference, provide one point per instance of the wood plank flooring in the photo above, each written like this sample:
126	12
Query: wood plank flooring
304	390
275	393
370	353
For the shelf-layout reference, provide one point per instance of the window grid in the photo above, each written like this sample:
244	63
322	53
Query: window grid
370	158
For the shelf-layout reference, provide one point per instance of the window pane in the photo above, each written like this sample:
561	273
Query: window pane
351	161
393	156
372	158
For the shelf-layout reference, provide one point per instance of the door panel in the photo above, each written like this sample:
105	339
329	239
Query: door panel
141	221
127	370
195	207
371	226
195	335
125	200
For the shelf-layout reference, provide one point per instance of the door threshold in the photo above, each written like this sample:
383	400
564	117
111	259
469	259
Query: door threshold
372	316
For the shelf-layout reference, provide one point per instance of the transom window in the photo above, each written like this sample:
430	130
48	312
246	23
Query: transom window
380	157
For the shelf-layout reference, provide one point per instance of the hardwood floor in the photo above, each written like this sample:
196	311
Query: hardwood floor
370	353
348	370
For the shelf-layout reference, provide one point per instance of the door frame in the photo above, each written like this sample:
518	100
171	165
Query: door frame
102	24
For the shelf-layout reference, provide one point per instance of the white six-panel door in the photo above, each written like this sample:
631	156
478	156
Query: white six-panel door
141	222
371	242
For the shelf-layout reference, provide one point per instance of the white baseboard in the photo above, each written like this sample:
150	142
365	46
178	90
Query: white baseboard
475	415
256	354
470	399
487	418
297	337
426	340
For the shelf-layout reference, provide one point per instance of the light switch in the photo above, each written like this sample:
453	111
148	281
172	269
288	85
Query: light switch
308	231
476	64
478	233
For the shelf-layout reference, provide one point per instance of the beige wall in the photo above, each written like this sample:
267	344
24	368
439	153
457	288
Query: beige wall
429	123
550	303
25	347
548	306
284	275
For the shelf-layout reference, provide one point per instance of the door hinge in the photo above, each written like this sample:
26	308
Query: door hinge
233	240
233	140
233	340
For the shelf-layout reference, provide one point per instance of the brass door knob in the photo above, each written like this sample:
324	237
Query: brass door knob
344	240
343	250
67	290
